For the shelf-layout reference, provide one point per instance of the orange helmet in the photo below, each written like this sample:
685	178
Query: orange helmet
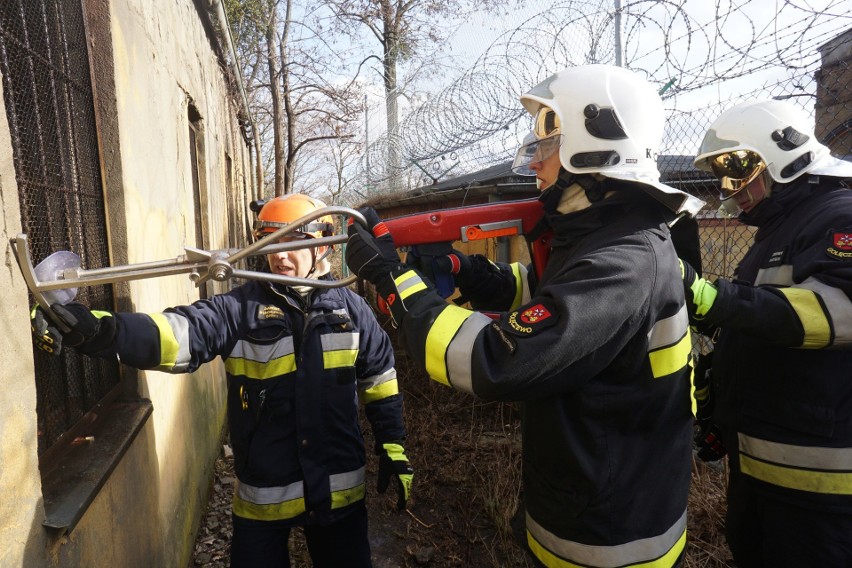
282	211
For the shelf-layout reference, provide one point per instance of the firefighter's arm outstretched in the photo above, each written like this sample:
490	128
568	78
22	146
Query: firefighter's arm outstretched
805	304
587	320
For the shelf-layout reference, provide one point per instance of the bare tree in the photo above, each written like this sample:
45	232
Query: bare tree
298	94
405	30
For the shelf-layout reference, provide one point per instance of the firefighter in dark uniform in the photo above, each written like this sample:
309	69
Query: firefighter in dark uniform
782	364
297	360
597	349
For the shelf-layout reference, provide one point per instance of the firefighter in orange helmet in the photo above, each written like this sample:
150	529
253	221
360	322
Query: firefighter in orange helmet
297	358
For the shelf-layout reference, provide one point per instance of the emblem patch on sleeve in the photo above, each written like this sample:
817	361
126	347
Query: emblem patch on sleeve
529	320
841	244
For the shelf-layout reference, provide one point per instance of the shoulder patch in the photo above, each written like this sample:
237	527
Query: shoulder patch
840	245
269	312
529	320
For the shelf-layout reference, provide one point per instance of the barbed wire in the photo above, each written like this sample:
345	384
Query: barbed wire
703	56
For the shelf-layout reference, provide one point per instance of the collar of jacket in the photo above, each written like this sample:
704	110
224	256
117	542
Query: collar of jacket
627	198
297	300
785	199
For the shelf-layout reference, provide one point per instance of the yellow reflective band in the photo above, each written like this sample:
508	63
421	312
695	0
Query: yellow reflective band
811	314
552	561
340	358
693	398
671	359
256	370
406	291
438	339
832	483
101	314
340	499
380	391
169	345
519	286
271	512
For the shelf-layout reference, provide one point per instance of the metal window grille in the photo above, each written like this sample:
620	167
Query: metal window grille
49	106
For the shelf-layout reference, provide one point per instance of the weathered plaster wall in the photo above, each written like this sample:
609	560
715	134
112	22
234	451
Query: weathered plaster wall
147	513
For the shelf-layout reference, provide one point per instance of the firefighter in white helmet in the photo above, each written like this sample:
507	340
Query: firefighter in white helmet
597	348
296	358
782	399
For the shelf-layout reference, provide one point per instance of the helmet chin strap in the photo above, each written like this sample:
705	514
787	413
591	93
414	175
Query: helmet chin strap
562	196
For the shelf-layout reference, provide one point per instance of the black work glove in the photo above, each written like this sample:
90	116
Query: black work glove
456	263
710	445
370	252
707	438
89	331
393	463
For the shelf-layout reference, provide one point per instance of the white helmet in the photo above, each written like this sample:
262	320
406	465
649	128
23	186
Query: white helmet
778	132
611	121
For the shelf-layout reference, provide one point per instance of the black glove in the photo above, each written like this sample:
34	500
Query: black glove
370	252
45	335
456	263
90	331
707	438
710	445
393	463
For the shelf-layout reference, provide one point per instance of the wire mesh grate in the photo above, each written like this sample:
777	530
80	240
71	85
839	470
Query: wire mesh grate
49	105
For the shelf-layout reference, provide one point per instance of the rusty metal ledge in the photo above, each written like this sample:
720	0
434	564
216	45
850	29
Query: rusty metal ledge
75	478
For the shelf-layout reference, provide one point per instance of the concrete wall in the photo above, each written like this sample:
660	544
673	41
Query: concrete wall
147	513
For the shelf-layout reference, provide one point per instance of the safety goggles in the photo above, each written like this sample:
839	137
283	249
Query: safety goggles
736	170
533	151
547	123
261	226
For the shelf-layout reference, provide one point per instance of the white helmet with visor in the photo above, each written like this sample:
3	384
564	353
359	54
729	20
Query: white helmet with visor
769	136
608	121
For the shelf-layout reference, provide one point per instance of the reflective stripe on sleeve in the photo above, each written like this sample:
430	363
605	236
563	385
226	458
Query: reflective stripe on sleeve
380	391
375	380
653	552
442	338
669	344
408	283
256	361
839	308
522	291
826	315
174	341
377	387
339	349
805	468
812	315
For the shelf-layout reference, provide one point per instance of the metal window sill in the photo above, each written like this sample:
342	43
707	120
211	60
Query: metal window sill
74	478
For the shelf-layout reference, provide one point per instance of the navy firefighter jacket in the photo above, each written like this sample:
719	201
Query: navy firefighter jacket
295	371
782	368
598	355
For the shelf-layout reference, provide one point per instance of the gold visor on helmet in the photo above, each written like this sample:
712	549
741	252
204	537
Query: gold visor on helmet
546	123
736	170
